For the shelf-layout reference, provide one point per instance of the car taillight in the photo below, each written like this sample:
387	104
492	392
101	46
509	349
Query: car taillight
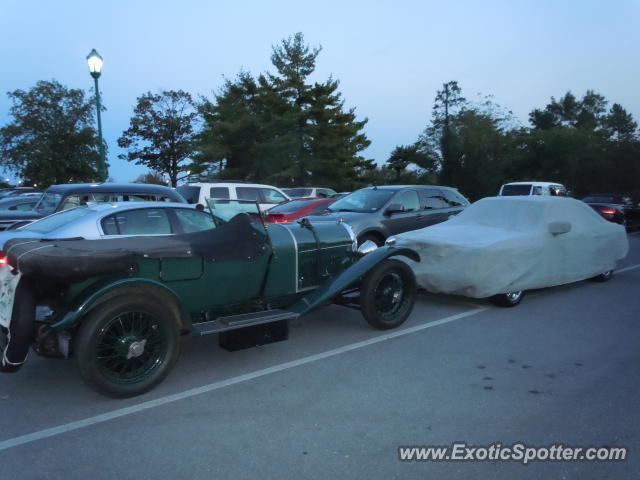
276	217
3	260
608	211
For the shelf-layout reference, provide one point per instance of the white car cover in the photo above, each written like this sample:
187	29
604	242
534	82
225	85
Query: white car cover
504	244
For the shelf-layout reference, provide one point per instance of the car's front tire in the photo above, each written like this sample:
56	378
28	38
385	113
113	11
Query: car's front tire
127	346
507	300
387	294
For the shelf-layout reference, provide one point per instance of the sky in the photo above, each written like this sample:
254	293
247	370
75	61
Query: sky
389	56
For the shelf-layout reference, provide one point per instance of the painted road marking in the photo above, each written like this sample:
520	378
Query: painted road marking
105	417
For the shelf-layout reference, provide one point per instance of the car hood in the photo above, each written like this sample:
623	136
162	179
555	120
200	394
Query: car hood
347	217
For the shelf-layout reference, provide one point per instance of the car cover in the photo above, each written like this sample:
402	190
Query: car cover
72	260
504	244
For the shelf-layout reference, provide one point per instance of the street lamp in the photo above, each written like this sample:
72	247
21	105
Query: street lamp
94	60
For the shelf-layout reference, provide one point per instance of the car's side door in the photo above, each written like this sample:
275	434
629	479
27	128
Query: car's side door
402	213
434	207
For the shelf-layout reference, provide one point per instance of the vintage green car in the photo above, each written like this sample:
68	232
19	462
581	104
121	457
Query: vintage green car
118	306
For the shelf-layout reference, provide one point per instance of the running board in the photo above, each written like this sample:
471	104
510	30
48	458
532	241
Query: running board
233	322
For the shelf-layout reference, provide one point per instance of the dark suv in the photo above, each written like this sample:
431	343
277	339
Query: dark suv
62	197
375	213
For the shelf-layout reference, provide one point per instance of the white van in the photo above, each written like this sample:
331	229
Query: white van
533	188
266	195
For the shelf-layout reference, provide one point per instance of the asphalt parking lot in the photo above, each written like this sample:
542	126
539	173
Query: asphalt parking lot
338	398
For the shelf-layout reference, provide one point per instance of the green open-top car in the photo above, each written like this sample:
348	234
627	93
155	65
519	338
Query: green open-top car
118	306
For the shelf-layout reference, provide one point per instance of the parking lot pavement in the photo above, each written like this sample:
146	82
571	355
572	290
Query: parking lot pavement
338	398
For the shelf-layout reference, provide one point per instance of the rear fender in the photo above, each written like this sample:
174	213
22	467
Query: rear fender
101	292
326	292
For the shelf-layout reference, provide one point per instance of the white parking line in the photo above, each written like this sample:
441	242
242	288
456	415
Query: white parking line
626	269
105	417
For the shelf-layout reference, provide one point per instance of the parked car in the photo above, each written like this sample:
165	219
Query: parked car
374	213
533	188
500	247
306	192
118	306
63	197
25	201
265	195
15	191
615	208
108	220
297	208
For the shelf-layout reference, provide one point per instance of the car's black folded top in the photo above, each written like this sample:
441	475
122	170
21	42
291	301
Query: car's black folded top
75	259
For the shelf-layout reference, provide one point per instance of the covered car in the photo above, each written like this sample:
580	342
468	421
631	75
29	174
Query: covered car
505	245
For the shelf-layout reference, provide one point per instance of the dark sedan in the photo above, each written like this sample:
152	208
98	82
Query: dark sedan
375	213
615	208
63	197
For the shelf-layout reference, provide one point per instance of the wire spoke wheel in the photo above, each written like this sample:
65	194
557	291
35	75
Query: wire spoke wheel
128	346
387	294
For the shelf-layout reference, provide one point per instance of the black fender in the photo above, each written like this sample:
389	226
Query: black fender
326	292
15	343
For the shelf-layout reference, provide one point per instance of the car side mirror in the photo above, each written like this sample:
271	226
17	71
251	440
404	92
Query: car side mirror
558	228
393	208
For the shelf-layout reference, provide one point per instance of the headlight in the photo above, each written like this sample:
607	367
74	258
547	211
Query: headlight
367	247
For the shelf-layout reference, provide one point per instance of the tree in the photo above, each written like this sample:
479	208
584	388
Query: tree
280	128
51	138
404	155
161	133
153	178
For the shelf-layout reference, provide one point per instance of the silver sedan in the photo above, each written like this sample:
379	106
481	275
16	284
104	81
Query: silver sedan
110	220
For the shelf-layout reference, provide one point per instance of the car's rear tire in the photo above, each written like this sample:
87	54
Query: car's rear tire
387	294
603	277
21	331
507	300
127	346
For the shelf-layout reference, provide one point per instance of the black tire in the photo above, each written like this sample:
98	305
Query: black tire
603	277
22	329
387	294
507	300
372	238
139	340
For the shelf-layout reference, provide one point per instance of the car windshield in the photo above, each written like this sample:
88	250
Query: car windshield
513	190
227	209
365	200
48	202
53	222
297	192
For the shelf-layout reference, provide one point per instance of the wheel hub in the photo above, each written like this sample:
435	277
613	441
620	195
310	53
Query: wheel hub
136	349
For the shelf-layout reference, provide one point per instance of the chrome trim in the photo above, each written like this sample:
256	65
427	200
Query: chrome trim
352	235
295	246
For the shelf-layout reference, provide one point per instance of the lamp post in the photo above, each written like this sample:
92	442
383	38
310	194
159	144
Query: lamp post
94	60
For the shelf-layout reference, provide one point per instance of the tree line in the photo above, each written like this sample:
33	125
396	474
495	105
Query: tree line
281	128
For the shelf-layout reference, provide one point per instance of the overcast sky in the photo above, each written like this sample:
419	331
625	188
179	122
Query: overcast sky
390	57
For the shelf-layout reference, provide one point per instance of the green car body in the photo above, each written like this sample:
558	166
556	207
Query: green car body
133	303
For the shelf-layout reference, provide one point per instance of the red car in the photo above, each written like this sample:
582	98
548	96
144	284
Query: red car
300	207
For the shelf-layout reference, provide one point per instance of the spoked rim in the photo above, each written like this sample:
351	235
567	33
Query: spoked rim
130	347
390	295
